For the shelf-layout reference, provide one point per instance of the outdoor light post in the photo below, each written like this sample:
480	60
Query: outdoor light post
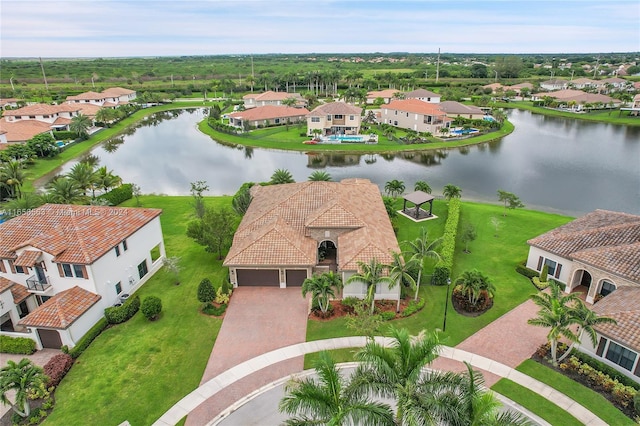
446	306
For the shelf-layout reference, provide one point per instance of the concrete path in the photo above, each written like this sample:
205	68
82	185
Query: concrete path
245	369
258	320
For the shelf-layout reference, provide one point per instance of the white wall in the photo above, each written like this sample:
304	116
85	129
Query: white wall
567	265
79	328
359	289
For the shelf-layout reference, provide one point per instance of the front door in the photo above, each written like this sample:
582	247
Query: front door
42	278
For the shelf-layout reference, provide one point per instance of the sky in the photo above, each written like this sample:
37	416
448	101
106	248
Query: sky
110	28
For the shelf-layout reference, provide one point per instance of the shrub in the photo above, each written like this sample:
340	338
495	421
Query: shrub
206	292
57	368
89	337
221	297
636	403
118	195
540	285
64	135
210	309
413	307
227	288
544	273
151	307
388	315
350	303
442	270
523	270
606	369
17	345
120	314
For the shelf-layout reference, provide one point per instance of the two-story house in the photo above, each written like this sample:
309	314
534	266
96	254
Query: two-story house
423	95
334	118
413	114
24	123
292	231
62	265
253	100
110	97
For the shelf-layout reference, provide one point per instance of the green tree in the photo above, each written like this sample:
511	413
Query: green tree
331	400
44	145
290	101
197	188
105	179
80	125
137	192
242	198
421	249
320	176
206	292
467	235
83	175
390	207
281	176
474	284
214	230
451	191
371	274
63	190
172	264
394	187
588	319
422	186
27	201
12	177
510	200
151	307
20	378
402	271
322	288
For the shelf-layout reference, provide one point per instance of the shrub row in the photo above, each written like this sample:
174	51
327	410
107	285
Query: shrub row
523	270
86	340
540	285
17	345
210	309
608	370
64	135
118	195
57	368
413	307
120	314
442	270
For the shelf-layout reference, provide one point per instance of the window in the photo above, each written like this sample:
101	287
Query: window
117	250
352	117
338	117
277	121
155	253
315	119
124	245
607	288
79	271
142	269
20	270
66	269
621	356
551	265
328	118
118	287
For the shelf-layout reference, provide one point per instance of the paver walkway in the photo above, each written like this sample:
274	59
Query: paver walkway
258	320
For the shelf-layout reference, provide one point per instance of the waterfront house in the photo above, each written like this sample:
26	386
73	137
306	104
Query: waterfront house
269	115
334	118
413	114
253	100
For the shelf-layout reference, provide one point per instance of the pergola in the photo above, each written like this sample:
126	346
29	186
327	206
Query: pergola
418	198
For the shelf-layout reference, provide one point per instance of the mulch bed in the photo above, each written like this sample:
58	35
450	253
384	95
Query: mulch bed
339	310
461	305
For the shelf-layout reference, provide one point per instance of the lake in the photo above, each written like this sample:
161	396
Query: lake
552	164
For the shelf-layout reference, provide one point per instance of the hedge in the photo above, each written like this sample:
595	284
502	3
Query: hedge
17	345
442	270
64	135
523	270
86	340
120	314
57	367
118	195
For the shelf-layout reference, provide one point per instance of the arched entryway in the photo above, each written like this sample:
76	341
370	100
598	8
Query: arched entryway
581	282
328	254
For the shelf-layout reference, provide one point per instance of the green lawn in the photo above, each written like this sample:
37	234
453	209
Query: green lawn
584	396
137	370
610	116
535	403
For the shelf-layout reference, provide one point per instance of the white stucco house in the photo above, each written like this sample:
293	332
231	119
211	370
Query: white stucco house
62	265
110	97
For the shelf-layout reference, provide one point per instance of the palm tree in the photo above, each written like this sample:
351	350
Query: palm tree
473	283
83	175
80	125
394	187
396	371
402	271
557	311
451	191
28	201
422	186
105	180
281	176
479	406
12	177
64	191
322	288
331	400
589	319
290	101
421	249
320	175
21	378
371	274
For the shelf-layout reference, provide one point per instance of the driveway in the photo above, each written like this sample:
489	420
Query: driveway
258	320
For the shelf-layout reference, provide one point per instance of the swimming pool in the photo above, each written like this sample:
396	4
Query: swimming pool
463	131
345	138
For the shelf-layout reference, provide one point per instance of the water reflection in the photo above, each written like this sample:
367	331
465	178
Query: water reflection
550	163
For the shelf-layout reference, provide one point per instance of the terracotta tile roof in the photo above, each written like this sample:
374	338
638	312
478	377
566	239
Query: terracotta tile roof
268	112
453	107
272	96
19	293
420	93
274	231
28	258
5	284
623	305
41	109
414	106
117	91
62	309
90	110
521	86
577	95
23	130
73	234
333	108
604	239
387	93
86	96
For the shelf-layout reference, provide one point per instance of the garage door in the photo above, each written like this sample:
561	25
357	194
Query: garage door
258	277
50	339
295	277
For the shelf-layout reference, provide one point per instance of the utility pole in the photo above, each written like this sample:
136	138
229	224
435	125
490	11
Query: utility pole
438	66
11	81
92	82
44	76
496	71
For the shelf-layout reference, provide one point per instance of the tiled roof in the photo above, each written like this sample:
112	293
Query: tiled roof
453	107
27	258
41	109
414	106
23	130
387	93
623	305
71	233
5	284
19	293
117	91
272	96
274	230
576	95
62	309
268	112
420	93
604	239
333	108
87	96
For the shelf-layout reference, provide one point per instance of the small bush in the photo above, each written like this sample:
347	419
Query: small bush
17	345
206	292
350	303
89	337
388	315
636	403
151	307
539	284
221	297
413	307
210	309
120	314
118	195
227	288
57	368
523	270
544	273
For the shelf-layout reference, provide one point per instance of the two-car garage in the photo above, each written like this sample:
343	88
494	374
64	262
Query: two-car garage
269	277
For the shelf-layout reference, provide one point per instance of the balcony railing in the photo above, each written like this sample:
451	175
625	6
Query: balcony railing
38	284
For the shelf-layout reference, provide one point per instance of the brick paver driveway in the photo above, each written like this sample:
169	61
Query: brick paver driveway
258	320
